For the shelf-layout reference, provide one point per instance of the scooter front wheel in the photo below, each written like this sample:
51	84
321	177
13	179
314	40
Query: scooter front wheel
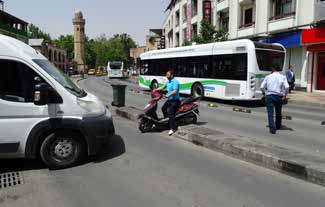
145	125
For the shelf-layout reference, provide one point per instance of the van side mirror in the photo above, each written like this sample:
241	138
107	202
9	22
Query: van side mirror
41	93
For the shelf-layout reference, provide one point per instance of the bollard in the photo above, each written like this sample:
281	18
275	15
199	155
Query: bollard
118	95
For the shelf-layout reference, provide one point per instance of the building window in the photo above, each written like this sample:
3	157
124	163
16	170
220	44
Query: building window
177	41
184	35
194	30
224	21
194	8
50	55
55	56
177	19
184	17
247	17
282	8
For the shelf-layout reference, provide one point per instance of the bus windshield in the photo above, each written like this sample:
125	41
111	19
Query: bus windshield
267	58
268	55
115	65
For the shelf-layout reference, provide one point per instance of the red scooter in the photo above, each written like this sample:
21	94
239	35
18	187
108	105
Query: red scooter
187	113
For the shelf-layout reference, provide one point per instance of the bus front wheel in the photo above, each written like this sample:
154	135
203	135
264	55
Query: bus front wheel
197	90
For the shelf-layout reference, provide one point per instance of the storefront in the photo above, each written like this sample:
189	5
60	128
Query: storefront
296	54
314	40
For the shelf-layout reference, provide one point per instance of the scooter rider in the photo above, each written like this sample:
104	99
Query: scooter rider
173	102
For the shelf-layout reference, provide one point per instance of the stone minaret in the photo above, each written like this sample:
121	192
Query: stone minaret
79	40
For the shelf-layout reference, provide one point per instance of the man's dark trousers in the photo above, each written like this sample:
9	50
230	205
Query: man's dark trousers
274	101
169	109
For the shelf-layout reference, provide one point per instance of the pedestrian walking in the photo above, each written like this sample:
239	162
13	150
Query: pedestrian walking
291	78
276	87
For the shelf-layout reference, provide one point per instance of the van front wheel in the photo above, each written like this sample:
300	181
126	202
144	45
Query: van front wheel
62	150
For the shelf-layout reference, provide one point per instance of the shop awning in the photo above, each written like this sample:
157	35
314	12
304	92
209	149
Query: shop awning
287	40
313	36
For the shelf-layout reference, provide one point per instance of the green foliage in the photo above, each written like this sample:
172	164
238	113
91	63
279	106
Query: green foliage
187	43
66	42
36	33
102	49
208	34
113	49
90	53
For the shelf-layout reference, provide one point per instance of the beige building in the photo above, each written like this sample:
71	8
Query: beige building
79	41
154	41
12	26
56	55
299	25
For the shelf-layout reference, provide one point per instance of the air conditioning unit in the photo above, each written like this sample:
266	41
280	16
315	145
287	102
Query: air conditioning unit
320	11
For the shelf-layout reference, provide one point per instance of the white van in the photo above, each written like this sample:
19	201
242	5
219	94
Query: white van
43	113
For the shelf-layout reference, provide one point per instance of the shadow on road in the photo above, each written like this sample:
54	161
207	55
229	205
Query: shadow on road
113	149
13	165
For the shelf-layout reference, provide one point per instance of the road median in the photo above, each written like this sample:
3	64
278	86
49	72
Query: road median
298	164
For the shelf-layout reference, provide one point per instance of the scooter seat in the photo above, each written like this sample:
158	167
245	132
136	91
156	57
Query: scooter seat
188	100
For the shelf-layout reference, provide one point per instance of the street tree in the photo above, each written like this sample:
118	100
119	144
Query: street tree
35	32
208	34
66	42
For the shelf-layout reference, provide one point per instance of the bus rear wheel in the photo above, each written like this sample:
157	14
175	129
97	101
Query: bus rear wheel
197	90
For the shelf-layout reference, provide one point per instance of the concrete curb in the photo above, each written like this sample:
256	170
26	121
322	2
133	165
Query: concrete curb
307	167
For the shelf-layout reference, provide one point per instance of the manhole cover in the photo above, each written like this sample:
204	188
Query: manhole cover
10	179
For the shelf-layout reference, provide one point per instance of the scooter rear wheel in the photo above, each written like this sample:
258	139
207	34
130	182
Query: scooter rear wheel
145	125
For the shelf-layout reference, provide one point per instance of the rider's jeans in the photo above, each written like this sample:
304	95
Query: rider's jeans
169	109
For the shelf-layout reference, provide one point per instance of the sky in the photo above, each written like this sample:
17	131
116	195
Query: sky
109	17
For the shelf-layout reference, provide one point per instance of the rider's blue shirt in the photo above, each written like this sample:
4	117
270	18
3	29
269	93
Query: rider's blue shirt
172	85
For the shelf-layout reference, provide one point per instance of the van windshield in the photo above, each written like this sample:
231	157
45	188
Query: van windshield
60	77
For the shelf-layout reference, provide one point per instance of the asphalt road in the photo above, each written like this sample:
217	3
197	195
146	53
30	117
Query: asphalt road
150	170
305	132
155	170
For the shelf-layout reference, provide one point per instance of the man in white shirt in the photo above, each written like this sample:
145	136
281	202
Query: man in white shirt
276	87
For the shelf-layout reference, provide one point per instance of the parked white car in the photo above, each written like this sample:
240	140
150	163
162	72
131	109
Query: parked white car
43	113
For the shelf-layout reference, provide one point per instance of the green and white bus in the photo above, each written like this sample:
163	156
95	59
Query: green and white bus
231	70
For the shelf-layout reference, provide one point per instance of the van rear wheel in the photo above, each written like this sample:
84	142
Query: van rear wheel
62	150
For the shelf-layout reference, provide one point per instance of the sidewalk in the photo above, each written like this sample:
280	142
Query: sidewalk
310	99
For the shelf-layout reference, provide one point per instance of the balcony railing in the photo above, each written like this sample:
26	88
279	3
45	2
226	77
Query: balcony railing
246	25
281	16
13	30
